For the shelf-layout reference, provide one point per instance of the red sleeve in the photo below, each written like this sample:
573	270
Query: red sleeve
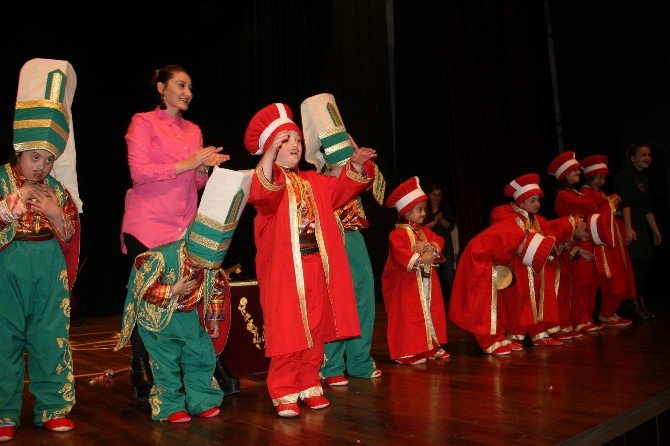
570	202
400	251
266	195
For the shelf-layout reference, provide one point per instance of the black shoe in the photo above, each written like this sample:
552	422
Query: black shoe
141	380
639	310
645	308
229	384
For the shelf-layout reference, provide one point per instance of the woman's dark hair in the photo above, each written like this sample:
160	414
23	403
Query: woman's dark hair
163	75
632	150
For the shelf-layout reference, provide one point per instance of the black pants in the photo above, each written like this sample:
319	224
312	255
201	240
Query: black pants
135	248
641	269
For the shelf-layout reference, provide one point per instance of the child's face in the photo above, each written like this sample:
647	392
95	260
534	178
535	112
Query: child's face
417	214
35	165
290	151
531	204
572	177
597	181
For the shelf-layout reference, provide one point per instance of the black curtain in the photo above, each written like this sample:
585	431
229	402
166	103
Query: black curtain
474	100
241	57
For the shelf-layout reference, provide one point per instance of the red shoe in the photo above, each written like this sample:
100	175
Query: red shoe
515	347
575	334
7	433
209	413
60	424
316	402
590	327
411	360
288	410
179	417
376	374
562	335
336	381
441	354
548	341
502	350
616	322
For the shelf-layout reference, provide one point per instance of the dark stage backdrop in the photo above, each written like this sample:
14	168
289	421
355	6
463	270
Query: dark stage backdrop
472	92
241	57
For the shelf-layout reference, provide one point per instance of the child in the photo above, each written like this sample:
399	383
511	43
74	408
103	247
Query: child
164	289
483	270
620	286
39	250
417	325
321	121
305	285
588	261
531	302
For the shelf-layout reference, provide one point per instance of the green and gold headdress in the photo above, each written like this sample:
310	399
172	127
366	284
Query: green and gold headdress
221	206
41	116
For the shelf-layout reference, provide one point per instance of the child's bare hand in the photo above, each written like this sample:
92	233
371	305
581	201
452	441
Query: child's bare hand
44	201
280	139
213	329
184	286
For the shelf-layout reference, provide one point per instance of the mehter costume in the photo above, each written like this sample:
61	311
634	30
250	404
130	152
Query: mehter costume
483	270
327	145
306	292
620	284
38	260
531	302
585	275
168	324
417	325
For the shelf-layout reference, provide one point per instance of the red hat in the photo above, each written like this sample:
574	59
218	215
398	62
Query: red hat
265	125
562	164
523	187
594	165
600	228
536	250
406	196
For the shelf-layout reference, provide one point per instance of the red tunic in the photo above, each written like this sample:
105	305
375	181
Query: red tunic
474	297
278	260
410	310
617	259
532	299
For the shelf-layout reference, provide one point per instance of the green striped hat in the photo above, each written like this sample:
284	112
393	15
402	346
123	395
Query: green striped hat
322	126
221	206
41	119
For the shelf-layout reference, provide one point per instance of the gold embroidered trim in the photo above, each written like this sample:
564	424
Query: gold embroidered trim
494	300
43	103
41	123
256	338
297	258
336	147
208	243
354	175
286	399
264	181
311	392
331	132
495	345
214	224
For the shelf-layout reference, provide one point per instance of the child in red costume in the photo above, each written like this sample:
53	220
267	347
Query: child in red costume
588	261
417	325
618	283
531	303
306	292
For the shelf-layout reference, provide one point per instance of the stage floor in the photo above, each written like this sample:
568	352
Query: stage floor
590	390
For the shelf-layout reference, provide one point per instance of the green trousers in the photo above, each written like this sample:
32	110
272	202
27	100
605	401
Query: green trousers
182	347
35	316
359	363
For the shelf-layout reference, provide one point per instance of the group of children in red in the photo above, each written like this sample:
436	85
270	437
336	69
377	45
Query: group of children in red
528	276
523	275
